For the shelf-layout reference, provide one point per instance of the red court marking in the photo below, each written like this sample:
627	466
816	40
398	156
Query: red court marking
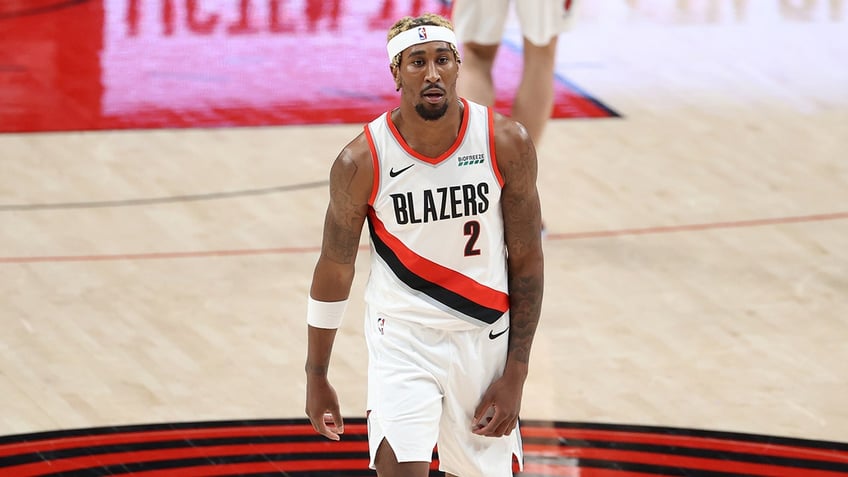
200	452
237	469
556	458
205	63
34	444
550	236
683	461
694	227
696	442
256	467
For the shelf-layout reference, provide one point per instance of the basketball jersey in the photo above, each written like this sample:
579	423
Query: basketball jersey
438	255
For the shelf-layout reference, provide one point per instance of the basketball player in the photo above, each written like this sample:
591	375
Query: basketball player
480	28
448	189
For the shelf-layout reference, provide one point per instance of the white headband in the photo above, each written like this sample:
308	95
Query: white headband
415	36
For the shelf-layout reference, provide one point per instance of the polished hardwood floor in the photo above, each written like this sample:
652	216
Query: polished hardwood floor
696	247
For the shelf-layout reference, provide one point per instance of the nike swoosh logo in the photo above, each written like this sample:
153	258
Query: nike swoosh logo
395	173
493	335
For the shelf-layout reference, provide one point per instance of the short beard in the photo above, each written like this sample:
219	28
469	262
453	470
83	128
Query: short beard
431	114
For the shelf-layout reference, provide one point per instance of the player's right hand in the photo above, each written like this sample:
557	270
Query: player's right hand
322	408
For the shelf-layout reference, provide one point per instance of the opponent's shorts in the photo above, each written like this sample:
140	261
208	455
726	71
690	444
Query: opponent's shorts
483	21
423	387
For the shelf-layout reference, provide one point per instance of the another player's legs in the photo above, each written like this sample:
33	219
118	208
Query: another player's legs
534	100
475	76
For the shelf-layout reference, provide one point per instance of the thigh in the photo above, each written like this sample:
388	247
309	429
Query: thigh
387	464
404	393
543	20
479	21
480	357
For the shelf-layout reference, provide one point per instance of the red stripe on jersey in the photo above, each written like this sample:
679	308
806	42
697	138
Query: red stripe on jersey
490	114
440	275
375	186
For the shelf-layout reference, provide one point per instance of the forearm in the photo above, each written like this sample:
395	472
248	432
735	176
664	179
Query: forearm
319	349
332	280
526	283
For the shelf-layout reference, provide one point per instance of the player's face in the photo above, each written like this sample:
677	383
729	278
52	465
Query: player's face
427	76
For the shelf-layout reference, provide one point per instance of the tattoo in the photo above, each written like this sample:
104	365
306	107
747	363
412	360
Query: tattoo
521	209
525	298
522	227
343	224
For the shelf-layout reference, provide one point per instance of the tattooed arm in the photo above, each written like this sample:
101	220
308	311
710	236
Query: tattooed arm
523	234
351	178
516	156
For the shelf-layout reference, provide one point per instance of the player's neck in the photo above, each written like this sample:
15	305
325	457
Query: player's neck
429	137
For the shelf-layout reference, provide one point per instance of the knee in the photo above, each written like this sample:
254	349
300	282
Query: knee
481	53
386	462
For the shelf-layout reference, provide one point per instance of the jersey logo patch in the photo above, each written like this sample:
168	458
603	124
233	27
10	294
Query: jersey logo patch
493	335
470	159
395	173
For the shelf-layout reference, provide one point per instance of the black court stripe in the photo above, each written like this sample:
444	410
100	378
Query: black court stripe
131	467
530	423
138	467
544	439
435	291
118	447
23	447
178	426
670	450
747	460
581	92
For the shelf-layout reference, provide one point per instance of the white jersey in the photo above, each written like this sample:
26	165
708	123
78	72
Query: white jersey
438	255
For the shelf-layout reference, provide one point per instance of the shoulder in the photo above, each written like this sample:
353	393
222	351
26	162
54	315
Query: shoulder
512	142
356	154
509	131
353	168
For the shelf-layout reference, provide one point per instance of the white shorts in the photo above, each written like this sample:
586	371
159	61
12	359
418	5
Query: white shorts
423	387
483	21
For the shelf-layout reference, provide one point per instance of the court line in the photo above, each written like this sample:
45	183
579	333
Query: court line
161	255
697	227
316	249
161	200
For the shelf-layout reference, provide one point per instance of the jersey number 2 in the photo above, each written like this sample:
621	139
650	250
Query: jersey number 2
472	231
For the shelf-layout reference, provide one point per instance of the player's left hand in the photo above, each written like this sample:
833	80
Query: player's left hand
497	413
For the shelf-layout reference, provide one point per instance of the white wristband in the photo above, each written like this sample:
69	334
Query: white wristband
325	314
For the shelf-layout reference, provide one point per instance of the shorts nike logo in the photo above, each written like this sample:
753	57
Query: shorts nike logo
395	173
493	335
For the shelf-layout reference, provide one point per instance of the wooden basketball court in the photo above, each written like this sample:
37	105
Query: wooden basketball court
696	248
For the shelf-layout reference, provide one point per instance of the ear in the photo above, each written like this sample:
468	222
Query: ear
396	75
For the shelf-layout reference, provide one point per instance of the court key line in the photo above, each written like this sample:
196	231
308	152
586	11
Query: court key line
550	236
